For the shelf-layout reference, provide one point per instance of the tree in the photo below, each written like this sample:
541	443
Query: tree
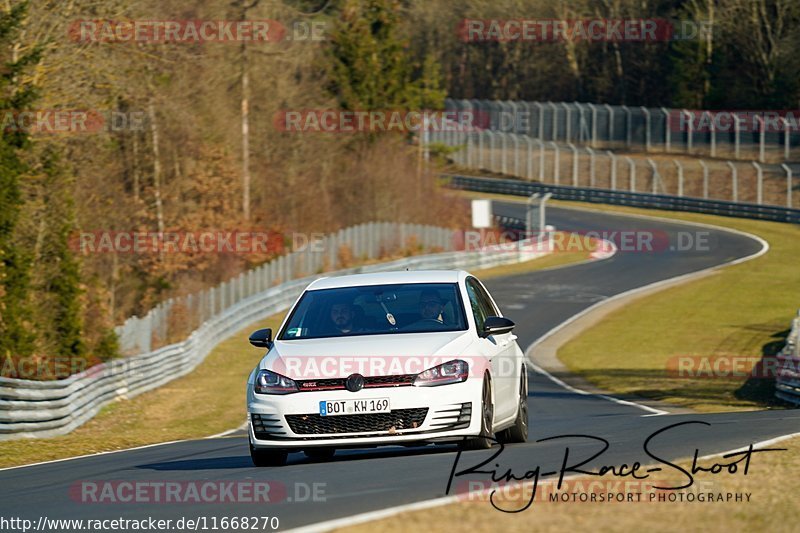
16	338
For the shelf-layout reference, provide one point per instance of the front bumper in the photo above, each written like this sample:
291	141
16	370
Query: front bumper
418	414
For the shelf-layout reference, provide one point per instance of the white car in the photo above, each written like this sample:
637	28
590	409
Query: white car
395	358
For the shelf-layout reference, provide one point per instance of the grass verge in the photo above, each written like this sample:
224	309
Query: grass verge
772	503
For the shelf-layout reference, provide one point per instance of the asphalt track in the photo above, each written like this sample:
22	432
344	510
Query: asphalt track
358	481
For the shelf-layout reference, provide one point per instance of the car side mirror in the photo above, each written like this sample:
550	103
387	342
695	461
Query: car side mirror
496	325
261	338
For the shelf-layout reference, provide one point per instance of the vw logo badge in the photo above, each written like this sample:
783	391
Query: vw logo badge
354	383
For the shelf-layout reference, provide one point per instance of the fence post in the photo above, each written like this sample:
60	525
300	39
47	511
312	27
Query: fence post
592	175
540	113
503	163
786	139
574	164
556	162
628	126
631	174
515	138
689	131
610	122
737	135
541	160
613	158
713	134
656	176
761	138
529	164
594	124
554	132
734	181
788	171
480	149
759	183
680	176
646	128
492	150
705	179
567	121
667	130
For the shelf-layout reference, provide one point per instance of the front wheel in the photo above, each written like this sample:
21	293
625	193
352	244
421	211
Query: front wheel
483	441
268	456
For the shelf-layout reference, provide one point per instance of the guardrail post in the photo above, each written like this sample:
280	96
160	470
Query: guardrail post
734	181
667	131
788	171
574	164
759	183
613	158
592	174
631	174
680	176
647	132
705	179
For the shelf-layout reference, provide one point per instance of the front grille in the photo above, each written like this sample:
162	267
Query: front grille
399	419
403	380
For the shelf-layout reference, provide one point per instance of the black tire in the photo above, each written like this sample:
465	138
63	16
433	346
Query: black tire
268	456
519	431
319	454
484	440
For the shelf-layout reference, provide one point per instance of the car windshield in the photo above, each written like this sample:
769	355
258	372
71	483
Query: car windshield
376	310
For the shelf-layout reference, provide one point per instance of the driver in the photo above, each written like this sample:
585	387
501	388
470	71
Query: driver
342	315
431	306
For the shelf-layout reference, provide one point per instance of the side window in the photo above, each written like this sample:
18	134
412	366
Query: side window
486	301
478	310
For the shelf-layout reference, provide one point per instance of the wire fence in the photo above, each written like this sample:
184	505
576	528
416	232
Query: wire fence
175	318
551	162
764	136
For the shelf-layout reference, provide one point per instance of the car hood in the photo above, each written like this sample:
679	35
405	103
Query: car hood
369	355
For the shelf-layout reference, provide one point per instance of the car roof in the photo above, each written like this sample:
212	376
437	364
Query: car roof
388	278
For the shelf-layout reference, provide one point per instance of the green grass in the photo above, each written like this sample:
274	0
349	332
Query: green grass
742	310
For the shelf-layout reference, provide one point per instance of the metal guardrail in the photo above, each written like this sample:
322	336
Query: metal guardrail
652	201
787	383
50	408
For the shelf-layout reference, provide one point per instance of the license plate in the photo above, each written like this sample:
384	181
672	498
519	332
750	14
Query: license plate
354	407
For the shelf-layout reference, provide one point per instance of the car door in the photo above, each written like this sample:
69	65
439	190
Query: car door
505	366
497	348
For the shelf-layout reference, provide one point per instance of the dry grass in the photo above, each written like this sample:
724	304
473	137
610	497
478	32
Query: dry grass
772	482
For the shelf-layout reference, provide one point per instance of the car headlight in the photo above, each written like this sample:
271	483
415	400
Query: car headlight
268	382
454	371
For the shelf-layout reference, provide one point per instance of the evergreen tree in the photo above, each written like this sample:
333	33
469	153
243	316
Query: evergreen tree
16	337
